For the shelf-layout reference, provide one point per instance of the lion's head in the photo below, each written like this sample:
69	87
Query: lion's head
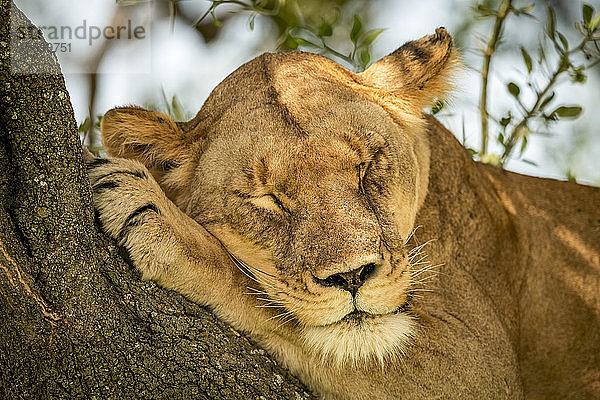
311	176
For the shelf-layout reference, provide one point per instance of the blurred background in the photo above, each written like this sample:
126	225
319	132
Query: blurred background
540	114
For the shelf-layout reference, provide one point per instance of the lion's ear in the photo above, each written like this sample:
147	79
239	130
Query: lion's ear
150	137
418	72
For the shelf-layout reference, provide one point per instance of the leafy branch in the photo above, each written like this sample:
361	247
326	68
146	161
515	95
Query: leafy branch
501	15
514	130
300	30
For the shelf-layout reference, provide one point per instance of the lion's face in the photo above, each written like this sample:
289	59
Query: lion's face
318	218
311	177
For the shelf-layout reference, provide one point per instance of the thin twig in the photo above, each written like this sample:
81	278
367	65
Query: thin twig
487	58
563	66
516	132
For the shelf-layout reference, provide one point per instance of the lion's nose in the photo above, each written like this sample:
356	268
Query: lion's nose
351	280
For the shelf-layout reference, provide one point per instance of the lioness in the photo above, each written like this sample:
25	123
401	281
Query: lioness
290	205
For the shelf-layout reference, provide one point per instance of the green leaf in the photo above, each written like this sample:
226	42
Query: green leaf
216	21
514	89
370	36
551	24
178	113
485	11
547	100
506	120
251	22
526	59
541	54
570	176
365	57
500	139
588	11
471	151
85	125
325	29
577	75
527	8
523	145
356	29
522	131
303	42
437	107
567	111
564	41
530	162
595	22
291	43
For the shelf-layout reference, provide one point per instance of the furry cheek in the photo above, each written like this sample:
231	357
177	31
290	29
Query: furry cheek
320	310
384	295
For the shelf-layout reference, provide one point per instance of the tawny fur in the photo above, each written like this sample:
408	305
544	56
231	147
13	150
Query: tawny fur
487	283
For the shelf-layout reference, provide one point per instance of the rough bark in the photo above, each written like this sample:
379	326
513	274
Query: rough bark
76	321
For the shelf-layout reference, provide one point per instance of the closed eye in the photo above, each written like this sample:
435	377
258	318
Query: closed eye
271	202
276	200
362	171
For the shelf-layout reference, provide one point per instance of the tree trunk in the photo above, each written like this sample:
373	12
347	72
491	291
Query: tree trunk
75	320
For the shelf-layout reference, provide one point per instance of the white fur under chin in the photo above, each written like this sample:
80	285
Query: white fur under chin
378	339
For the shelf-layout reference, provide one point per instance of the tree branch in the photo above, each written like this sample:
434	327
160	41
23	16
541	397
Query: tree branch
485	69
75	320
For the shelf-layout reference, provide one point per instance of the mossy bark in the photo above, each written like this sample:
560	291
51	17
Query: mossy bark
75	320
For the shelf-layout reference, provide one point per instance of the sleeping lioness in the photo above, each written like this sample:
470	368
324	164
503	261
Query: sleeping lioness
354	238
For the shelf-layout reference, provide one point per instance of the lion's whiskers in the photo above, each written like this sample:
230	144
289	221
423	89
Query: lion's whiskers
423	280
421	290
252	268
426	268
268	281
411	234
280	315
247	270
286	322
255	291
422	271
250	276
419	247
260	271
270	302
270	306
420	260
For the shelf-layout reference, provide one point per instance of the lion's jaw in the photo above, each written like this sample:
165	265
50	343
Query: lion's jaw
343	330
332	325
372	325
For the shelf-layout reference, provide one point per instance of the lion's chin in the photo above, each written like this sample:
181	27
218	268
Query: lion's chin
359	339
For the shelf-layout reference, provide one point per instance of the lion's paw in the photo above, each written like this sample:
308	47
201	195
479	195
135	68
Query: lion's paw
125	196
